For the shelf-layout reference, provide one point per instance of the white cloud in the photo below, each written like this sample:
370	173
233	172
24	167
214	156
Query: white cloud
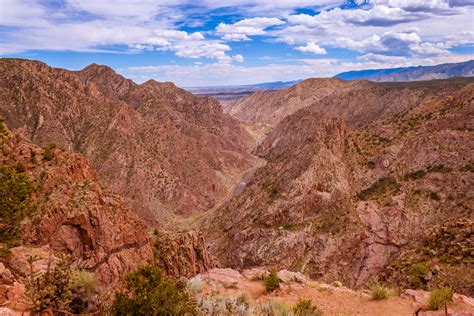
241	30
404	43
312	48
238	58
133	9
129	23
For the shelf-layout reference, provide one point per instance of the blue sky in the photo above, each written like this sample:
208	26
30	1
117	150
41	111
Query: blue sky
227	42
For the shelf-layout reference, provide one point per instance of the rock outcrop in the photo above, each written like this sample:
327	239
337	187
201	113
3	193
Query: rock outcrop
182	255
73	214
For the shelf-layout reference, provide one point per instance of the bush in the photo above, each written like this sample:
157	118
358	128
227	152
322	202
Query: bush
49	152
306	308
273	308
380	292
194	285
50	290
271	281
225	305
15	203
439	297
84	290
148	293
418	274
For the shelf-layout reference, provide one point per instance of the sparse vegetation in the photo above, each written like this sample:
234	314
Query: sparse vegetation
271	281
439	297
379	292
306	308
84	291
49	290
274	307
48	154
380	188
148	293
418	273
226	305
3	128
194	285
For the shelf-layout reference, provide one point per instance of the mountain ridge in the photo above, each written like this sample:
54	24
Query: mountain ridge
110	119
413	73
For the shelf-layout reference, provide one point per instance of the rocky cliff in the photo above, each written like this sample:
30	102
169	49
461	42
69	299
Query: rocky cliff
356	182
52	205
165	150
72	213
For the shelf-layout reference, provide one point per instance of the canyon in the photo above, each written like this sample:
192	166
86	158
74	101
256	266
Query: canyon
352	182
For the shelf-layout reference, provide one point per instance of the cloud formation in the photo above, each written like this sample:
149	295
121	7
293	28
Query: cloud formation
337	33
241	30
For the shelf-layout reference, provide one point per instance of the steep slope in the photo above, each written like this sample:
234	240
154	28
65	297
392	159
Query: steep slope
357	102
165	150
344	202
72	214
270	107
443	71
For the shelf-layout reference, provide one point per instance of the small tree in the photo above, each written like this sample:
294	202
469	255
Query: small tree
271	281
15	204
148	293
49	290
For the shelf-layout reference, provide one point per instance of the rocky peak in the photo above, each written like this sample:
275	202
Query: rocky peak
107	80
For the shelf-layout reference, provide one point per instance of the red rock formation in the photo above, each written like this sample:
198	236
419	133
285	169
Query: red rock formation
340	202
74	214
160	147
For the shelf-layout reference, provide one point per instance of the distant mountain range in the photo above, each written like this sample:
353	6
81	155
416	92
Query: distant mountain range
229	94
257	86
443	71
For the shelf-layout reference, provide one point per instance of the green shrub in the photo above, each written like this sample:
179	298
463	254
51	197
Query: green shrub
3	129
148	293
48	154
439	297
49	290
20	167
306	308
418	274
84	290
15	203
379	188
379	292
274	308
271	281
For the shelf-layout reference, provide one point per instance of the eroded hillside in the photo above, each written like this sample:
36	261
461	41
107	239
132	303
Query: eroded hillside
165	150
356	183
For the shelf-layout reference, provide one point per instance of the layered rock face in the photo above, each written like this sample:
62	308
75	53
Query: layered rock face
73	214
354	182
182	255
165	150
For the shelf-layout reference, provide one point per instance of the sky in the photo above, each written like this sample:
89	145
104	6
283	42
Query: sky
232	42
